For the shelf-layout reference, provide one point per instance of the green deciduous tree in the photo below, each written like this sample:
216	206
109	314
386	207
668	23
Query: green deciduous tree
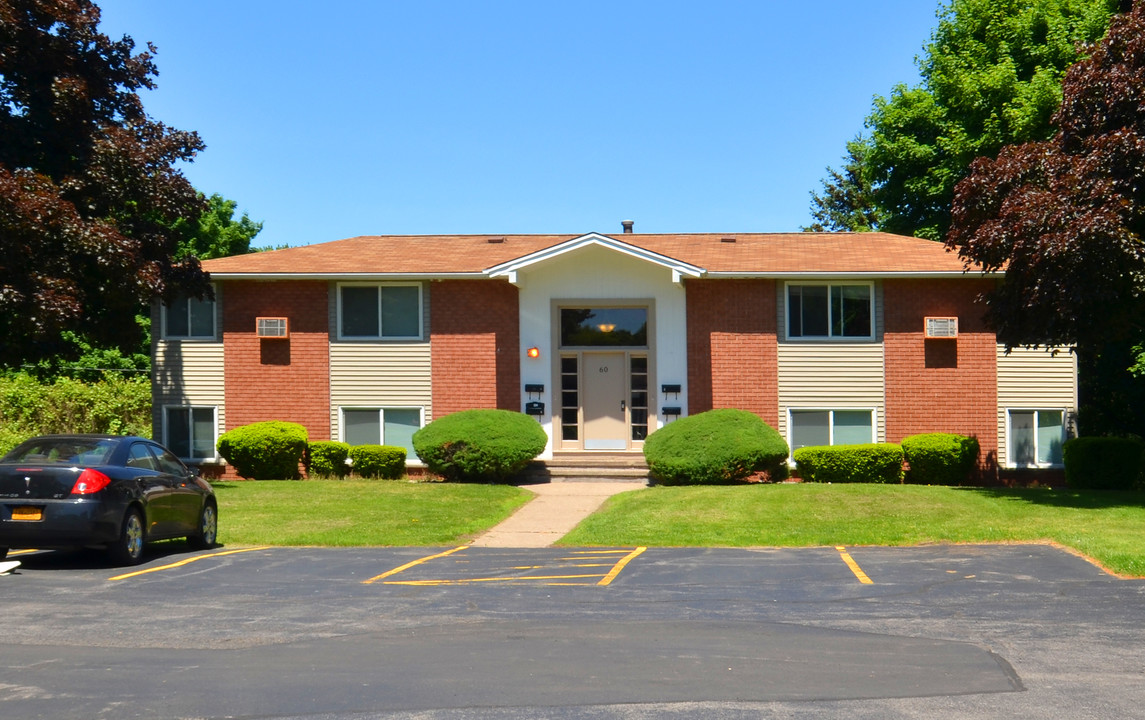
216	233
89	189
1065	218
991	76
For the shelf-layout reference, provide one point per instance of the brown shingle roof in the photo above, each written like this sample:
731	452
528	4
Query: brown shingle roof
751	253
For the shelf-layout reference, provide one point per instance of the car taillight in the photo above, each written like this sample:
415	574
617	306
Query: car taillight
90	481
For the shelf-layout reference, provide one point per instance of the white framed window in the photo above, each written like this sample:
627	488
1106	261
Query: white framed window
189	318
380	311
830	311
1035	437
830	426
190	431
382	426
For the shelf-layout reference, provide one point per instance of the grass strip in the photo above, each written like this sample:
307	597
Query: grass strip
1106	526
347	513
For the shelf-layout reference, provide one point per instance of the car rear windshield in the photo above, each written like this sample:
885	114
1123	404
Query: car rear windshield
62	451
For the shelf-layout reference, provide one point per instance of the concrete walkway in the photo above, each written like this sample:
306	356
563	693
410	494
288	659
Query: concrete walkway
556	510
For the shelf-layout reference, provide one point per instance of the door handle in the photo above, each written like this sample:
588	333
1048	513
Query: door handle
622	406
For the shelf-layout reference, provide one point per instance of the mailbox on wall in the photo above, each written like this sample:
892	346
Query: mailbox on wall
535	408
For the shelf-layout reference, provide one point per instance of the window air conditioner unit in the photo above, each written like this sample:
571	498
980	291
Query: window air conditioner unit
941	327
272	327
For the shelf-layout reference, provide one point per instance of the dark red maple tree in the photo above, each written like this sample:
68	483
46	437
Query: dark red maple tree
89	188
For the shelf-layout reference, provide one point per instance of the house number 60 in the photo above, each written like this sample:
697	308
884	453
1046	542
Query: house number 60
603	369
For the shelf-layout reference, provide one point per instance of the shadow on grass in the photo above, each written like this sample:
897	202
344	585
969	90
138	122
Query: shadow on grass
1079	499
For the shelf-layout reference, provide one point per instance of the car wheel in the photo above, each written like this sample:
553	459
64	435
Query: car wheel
207	529
128	549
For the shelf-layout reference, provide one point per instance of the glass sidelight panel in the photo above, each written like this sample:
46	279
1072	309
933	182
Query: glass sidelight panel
638	407
570	398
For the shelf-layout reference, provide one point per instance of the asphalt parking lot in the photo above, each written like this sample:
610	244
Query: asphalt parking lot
950	631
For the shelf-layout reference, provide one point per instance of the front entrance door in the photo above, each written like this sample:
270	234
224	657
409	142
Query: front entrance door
604	403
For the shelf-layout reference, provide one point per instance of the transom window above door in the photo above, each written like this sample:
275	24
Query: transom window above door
604	327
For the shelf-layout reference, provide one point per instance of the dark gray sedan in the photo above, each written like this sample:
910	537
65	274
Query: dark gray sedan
61	491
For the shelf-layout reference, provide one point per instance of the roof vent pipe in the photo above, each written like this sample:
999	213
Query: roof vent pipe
627	225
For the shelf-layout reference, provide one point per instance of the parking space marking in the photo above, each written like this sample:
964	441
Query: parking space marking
854	566
22	552
408	565
186	561
620	565
575	561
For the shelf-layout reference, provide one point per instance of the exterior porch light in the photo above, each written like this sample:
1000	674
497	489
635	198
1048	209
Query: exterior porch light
533	352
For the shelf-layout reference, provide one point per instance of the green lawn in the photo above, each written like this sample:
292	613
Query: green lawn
357	513
1106	526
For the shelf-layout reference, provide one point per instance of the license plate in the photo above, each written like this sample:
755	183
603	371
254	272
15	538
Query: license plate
27	514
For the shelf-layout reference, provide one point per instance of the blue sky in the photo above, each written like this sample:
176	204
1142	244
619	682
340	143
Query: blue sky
335	119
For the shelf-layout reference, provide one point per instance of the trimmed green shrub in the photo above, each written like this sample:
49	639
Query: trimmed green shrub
715	447
871	463
1102	463
479	445
940	458
378	461
30	407
327	458
265	450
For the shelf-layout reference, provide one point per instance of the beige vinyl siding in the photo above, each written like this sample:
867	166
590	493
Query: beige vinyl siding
187	373
831	376
1033	378
378	375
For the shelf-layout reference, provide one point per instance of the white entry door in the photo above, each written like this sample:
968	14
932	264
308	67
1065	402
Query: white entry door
605	394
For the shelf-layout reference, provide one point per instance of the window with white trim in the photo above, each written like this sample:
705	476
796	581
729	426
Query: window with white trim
1035	437
382	426
187	317
190	431
807	428
830	311
390	311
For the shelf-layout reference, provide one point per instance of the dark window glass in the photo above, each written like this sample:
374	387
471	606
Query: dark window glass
568	382
639	382
595	327
568	398
851	310
360	312
400	308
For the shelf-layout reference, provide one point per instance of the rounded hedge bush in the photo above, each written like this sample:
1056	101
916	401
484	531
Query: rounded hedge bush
868	463
378	461
940	458
1103	463
265	450
327	458
715	447
479	445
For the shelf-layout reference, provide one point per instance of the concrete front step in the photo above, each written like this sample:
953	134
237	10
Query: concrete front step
589	467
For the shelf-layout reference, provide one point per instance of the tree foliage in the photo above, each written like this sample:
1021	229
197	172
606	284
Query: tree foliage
1065	217
991	76
89	190
216	233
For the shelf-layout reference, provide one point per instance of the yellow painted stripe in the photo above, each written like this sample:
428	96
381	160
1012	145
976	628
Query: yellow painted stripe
597	552
414	563
854	566
620	565
508	578
186	562
21	552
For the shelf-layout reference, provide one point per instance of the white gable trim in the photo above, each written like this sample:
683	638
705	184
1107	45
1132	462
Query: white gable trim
679	268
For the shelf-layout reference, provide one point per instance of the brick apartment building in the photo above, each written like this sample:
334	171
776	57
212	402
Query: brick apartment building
831	338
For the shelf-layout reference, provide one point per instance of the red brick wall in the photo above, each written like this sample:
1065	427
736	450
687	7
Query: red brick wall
940	385
277	379
475	345
732	346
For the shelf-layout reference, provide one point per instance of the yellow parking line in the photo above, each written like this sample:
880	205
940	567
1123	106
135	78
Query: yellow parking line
185	562
510	578
408	565
21	552
620	565
854	566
